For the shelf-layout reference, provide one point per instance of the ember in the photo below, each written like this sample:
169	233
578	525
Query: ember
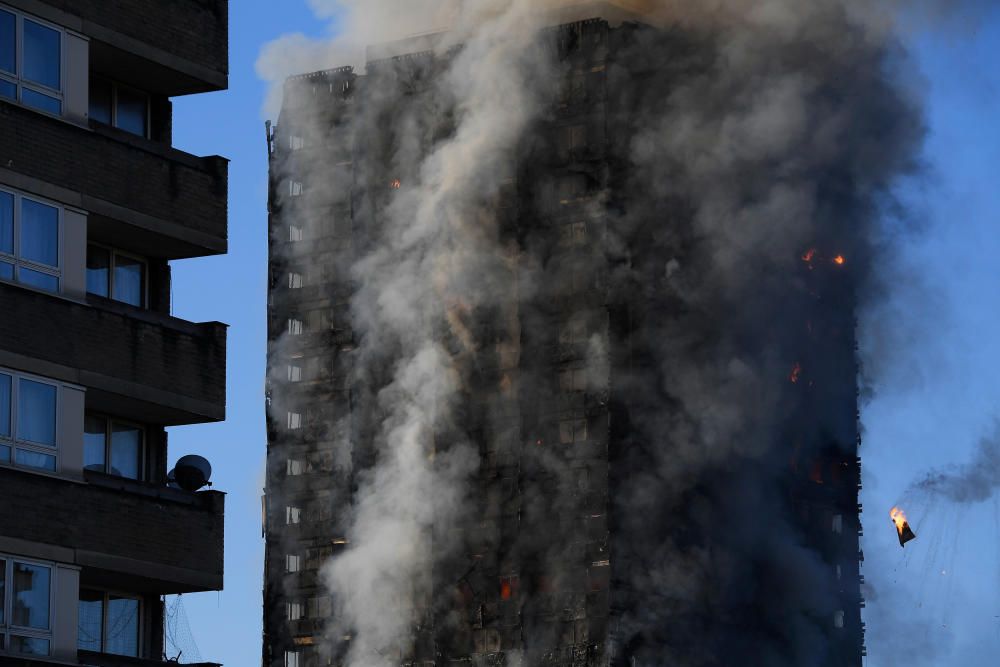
903	529
808	255
793	377
839	260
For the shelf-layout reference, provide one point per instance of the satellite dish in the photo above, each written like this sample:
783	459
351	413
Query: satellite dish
191	473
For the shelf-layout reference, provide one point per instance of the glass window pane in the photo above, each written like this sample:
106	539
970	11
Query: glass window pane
37	100
36	413
98	270
6	271
30	600
7	223
38	279
94	440
42	55
127	284
5	389
29	645
4	454
3	591
30	459
131	111
90	620
8	89
39	233
100	101
8	50
126	446
122	635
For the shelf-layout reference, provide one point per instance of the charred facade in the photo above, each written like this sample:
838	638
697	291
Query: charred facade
663	450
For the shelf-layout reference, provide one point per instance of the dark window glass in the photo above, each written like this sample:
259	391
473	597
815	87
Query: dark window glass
95	434
90	621
8	48
128	280
3	584
98	270
39	233
38	279
8	89
5	391
30	599
126	448
7	223
42	55
35	460
42	102
36	413
29	645
131	111
122	634
100	101
6	271
4	454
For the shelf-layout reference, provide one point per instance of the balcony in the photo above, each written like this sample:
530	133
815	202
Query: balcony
181	46
133	535
174	204
155	368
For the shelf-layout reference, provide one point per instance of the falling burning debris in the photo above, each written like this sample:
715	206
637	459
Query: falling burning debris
796	373
903	529
839	260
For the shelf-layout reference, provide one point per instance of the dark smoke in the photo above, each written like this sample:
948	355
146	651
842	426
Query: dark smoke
746	145
970	483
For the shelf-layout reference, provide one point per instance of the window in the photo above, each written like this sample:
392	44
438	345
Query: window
29	241
30	62
120	106
294	326
293	610
296	467
108	623
294	421
28	422
112	447
573	379
319	607
25	607
293	515
294	373
572	430
294	280
837	525
292	659
293	563
296	143
838	619
116	275
294	233
295	188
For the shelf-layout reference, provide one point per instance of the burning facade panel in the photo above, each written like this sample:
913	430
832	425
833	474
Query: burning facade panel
586	443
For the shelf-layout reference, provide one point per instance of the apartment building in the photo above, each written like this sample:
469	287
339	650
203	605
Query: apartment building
553	562
94	205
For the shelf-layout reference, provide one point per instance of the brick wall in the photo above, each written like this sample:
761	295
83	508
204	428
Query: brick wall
110	165
197	30
185	533
160	352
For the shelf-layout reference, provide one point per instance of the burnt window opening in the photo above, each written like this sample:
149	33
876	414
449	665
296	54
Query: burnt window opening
293	516
295	188
509	586
295	467
294	422
574	233
295	233
293	563
572	431
573	380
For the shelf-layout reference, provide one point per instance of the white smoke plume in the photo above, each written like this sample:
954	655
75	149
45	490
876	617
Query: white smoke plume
779	127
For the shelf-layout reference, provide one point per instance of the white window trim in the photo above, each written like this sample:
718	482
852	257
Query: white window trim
104	616
109	422
16	443
15	259
112	253
9	628
18	77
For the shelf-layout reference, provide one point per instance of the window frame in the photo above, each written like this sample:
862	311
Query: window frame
14	259
109	423
115	85
7	629
106	595
13	441
17	78
113	253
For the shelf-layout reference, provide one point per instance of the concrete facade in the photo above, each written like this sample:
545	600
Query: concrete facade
93	368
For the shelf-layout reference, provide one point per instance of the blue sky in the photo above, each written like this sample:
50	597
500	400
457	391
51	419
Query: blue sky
938	396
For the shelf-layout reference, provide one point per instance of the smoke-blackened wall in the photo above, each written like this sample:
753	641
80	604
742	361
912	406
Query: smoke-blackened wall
581	307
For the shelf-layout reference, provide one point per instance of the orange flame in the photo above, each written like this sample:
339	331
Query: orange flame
395	184
793	377
899	518
808	255
839	260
